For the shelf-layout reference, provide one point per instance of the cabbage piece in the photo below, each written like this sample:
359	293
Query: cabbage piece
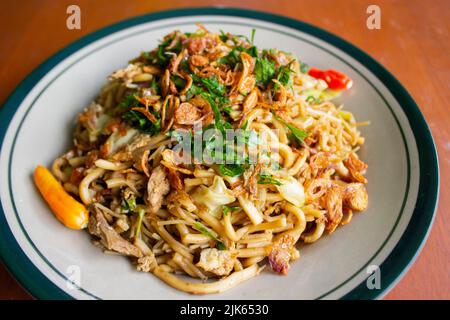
214	196
309	82
292	190
117	141
320	95
231	180
252	212
100	124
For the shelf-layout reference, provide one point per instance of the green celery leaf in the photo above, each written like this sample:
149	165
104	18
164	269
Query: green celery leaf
264	70
231	170
267	179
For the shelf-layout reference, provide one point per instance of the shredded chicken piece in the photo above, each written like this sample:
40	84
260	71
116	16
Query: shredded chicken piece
219	262
356	168
247	80
157	187
89	116
121	225
128	153
251	182
333	204
127	75
146	263
356	196
281	254
98	226
250	101
319	163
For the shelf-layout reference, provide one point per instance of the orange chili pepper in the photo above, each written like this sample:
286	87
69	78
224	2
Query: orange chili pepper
69	211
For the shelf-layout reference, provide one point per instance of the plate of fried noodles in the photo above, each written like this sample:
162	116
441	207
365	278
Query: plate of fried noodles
213	154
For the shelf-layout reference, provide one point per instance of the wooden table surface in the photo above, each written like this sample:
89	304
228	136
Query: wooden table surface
413	43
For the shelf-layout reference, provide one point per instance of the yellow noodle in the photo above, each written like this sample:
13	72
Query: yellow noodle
85	193
177	246
205	288
316	234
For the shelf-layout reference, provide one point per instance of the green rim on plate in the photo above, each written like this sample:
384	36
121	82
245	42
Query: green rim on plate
393	267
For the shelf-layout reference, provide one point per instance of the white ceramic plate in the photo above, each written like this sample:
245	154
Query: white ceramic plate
38	119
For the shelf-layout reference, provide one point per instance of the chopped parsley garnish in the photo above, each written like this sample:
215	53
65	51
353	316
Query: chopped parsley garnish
253	51
284	74
216	110
212	85
212	91
184	65
141	122
128	102
160	56
264	70
227	110
221	149
231	170
231	58
223	36
234	56
136	119
155	86
179	82
297	133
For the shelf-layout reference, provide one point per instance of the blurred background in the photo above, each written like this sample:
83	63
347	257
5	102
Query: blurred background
412	42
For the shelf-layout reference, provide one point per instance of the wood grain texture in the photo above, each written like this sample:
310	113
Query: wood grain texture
413	44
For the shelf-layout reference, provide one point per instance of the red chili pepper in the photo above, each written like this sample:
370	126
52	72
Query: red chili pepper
334	79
